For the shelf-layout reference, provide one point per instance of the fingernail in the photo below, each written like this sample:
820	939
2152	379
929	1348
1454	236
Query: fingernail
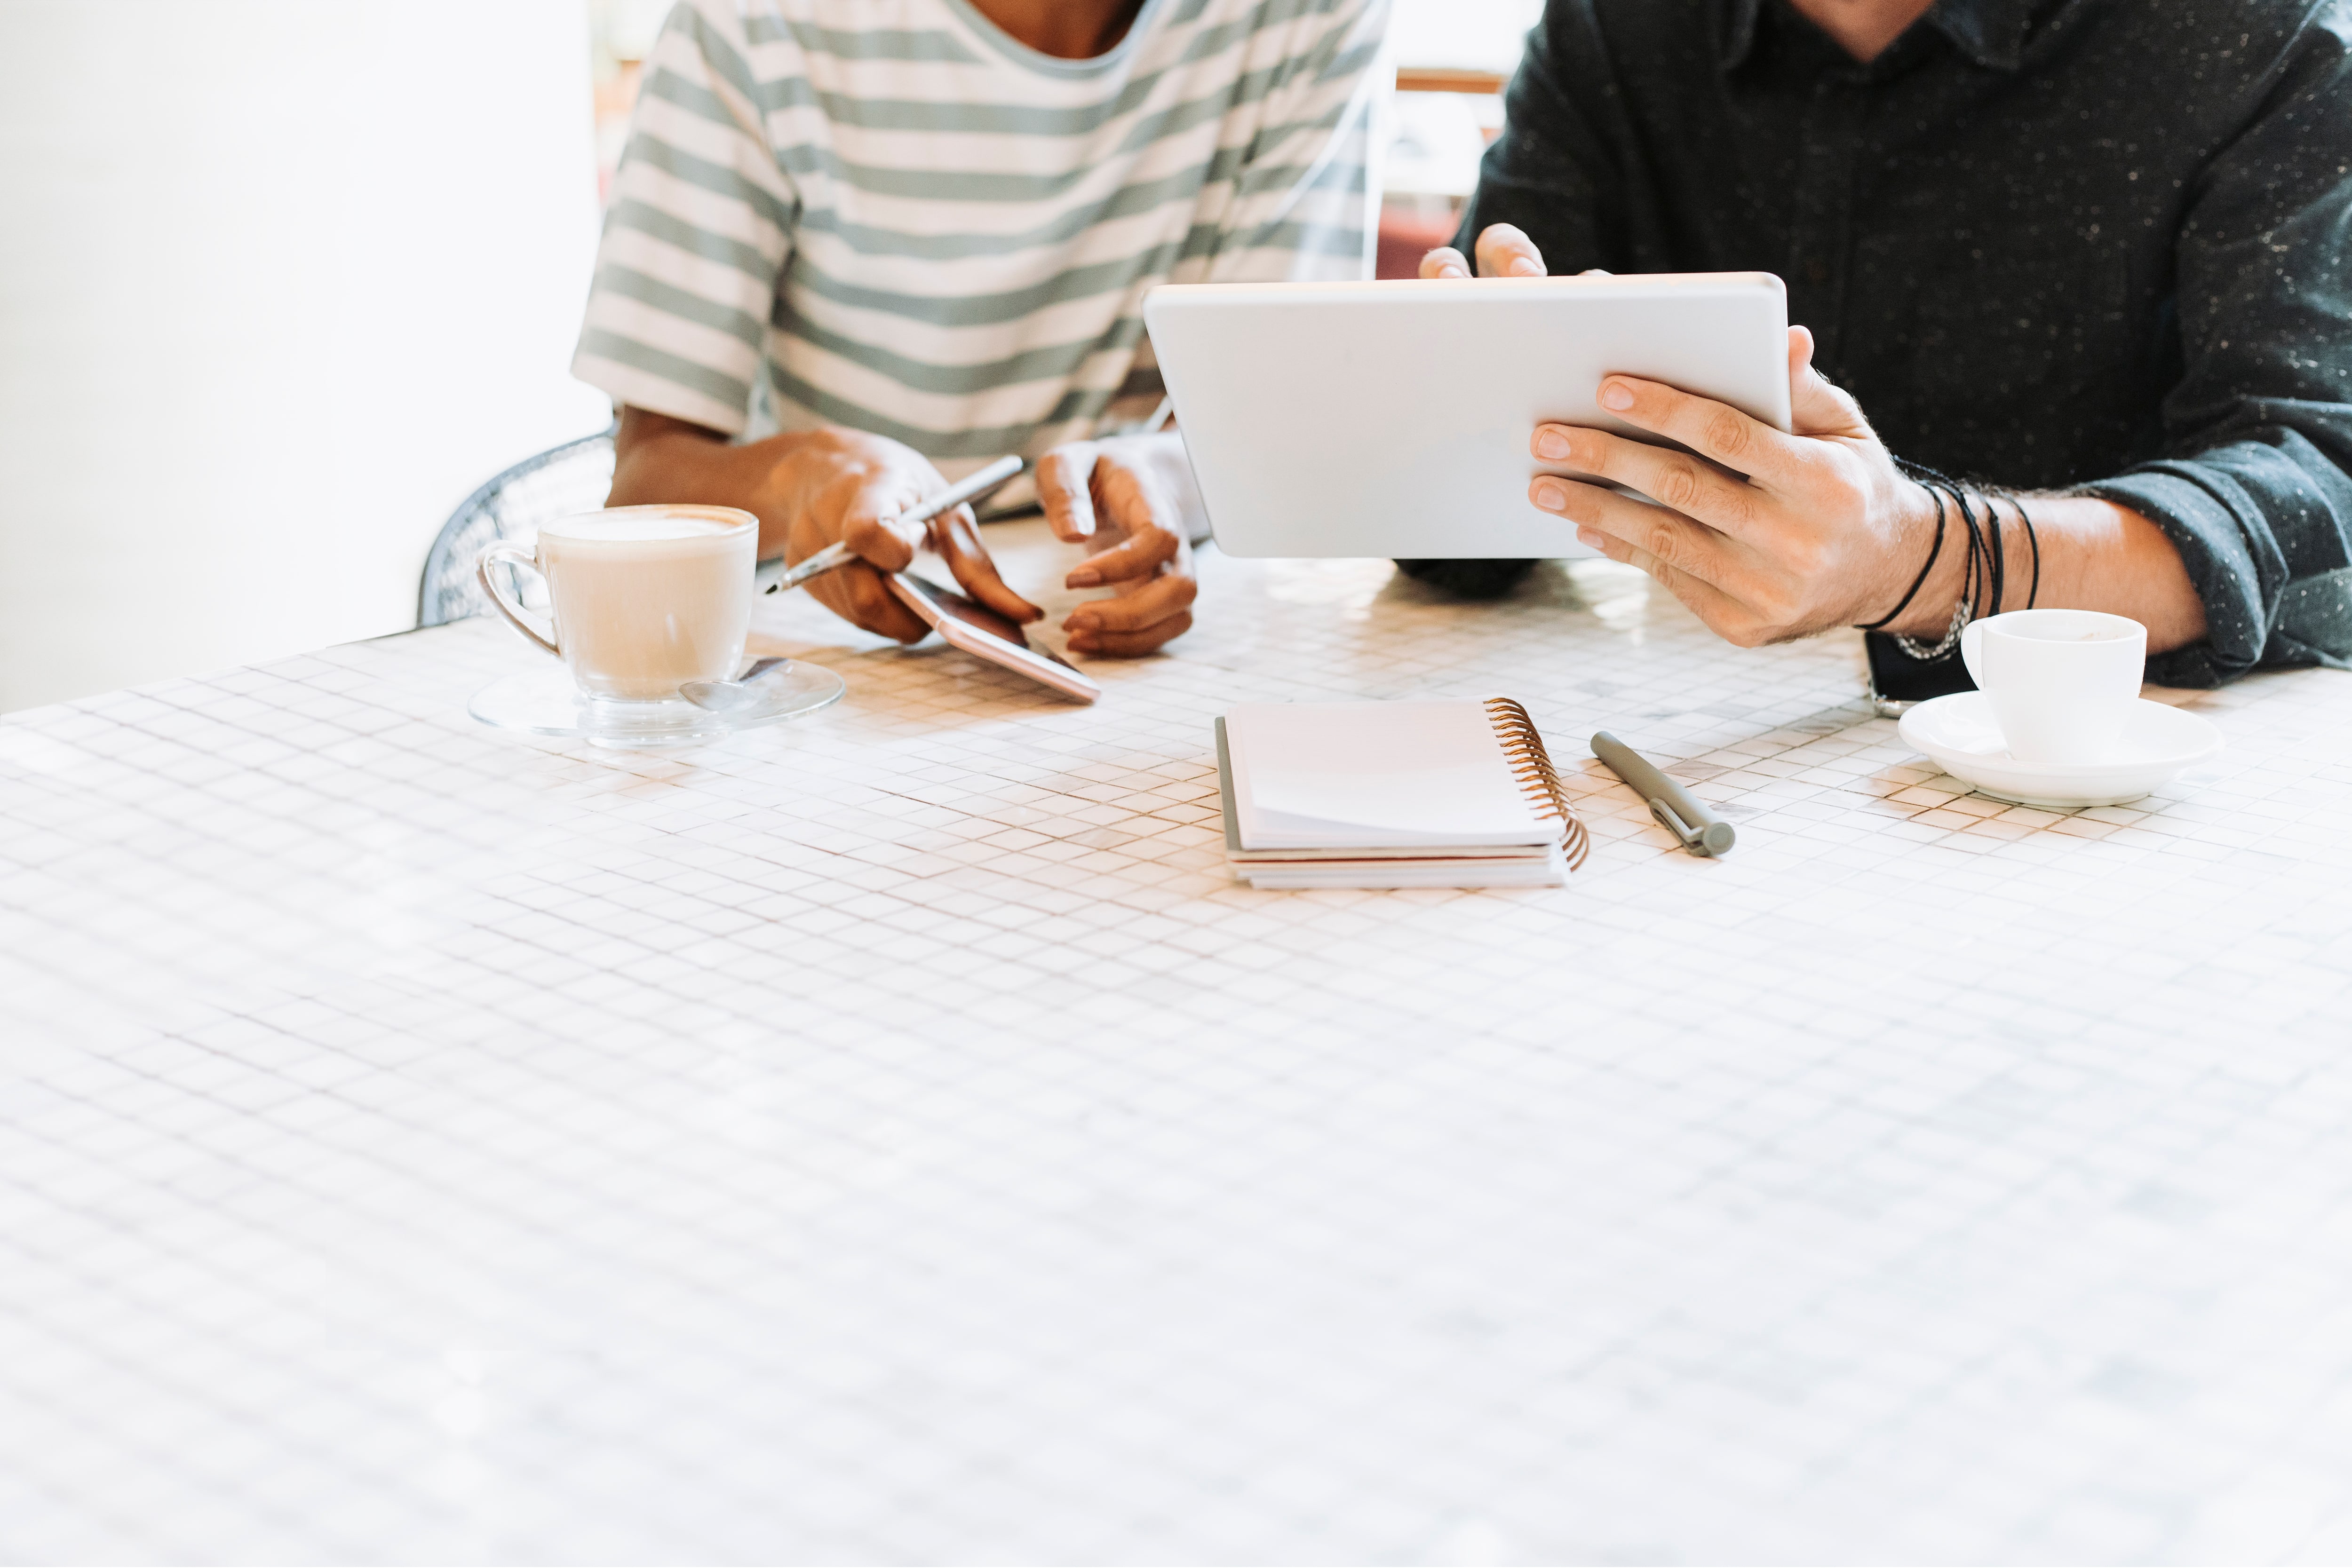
1616	395
1083	577
1552	444
1450	270
1551	495
1588	538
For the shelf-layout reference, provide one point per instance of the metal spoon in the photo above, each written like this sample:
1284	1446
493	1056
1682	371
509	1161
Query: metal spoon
720	696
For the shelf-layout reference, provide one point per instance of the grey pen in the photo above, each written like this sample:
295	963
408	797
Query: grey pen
1701	831
839	553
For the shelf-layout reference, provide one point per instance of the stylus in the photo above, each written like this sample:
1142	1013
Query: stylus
839	554
1700	830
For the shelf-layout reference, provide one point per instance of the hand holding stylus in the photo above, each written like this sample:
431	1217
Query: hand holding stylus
838	554
870	493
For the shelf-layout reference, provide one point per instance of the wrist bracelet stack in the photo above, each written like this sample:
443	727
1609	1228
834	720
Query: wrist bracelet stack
1984	573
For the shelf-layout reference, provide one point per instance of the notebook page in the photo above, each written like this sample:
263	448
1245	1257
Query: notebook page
1363	775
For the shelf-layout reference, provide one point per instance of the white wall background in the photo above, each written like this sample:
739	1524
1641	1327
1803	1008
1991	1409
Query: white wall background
1463	35
281	281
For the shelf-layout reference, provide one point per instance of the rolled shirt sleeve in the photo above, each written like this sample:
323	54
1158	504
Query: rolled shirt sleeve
698	229
2253	489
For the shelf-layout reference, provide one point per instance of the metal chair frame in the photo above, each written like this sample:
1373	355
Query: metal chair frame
559	481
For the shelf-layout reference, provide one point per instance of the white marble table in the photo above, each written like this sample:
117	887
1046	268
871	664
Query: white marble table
893	1138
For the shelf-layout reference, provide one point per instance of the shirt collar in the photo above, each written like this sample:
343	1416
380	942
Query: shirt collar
1990	32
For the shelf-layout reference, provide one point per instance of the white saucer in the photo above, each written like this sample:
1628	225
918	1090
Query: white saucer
543	700
1960	734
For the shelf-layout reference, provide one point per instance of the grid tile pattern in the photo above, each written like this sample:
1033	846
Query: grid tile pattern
893	1136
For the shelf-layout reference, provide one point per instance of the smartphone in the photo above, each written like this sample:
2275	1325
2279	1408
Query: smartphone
977	629
1897	680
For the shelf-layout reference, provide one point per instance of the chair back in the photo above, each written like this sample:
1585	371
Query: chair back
574	478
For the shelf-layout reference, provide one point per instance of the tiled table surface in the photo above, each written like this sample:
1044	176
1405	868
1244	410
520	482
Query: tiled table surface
893	1138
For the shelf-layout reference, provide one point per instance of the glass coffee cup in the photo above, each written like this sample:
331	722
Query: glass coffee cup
642	601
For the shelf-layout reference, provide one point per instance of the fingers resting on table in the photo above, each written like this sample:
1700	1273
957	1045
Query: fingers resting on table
1119	493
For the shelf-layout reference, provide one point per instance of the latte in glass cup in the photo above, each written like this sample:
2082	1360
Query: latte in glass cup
645	599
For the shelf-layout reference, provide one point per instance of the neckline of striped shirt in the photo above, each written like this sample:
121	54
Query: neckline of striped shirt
1046	65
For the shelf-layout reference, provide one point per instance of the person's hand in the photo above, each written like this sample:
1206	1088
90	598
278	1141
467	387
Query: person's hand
846	484
1766	536
1504	251
1134	494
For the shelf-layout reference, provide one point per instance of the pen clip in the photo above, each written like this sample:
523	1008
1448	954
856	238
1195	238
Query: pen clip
1693	839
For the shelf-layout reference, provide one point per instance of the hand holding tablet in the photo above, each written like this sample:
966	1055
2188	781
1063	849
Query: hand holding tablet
1393	418
1752	540
1765	535
1672	421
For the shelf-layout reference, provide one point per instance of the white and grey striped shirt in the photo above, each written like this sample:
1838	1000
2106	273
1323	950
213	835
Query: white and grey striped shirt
890	215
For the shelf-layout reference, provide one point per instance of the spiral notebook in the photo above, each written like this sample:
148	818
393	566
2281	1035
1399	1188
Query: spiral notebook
1400	794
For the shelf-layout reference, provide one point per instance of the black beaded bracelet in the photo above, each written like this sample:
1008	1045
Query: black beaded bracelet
1975	570
1934	554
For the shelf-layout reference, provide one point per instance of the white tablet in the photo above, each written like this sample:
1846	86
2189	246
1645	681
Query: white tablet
1392	418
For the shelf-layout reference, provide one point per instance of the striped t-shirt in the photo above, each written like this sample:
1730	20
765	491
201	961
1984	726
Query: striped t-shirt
890	215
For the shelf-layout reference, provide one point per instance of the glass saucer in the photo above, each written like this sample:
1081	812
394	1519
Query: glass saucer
545	702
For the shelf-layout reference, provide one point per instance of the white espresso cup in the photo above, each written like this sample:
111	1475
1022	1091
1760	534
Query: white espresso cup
2061	682
643	599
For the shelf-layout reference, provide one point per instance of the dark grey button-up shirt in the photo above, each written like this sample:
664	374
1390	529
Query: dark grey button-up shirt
2098	245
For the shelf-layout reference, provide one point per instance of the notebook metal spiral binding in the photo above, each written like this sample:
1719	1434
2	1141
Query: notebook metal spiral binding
1531	765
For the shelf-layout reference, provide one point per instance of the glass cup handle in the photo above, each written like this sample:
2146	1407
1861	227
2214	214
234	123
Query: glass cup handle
506	552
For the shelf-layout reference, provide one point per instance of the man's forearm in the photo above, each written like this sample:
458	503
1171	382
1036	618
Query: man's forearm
659	459
2094	555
